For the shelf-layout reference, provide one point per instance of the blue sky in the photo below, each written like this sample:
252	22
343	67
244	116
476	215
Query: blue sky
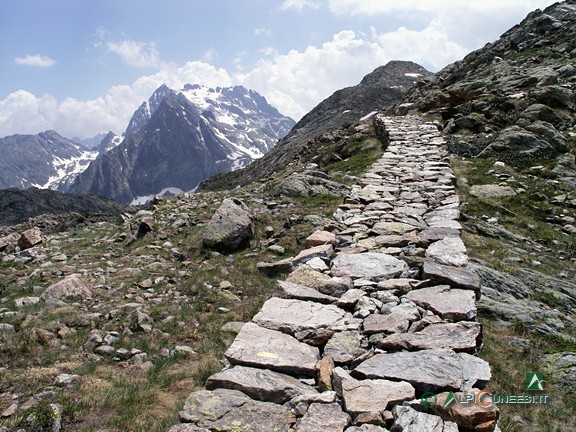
83	66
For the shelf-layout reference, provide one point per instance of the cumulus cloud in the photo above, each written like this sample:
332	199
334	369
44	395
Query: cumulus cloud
471	23
134	53
35	61
24	113
299	5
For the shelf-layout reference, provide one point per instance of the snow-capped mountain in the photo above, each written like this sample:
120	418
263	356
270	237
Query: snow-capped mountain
46	161
178	138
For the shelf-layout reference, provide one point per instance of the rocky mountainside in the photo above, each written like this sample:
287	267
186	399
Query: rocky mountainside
177	139
108	142
18	205
514	99
46	160
377	90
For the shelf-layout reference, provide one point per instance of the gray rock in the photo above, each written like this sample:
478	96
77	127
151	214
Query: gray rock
321	251
456	277
292	316
366	396
344	347
409	420
461	336
541	112
260	347
187	427
307	184
260	384
324	418
427	370
304	275
232	411
448	251
7	328
232	326
561	368
491	191
273	268
230	227
515	141
69	289
451	304
301	292
388	323
368	265
366	428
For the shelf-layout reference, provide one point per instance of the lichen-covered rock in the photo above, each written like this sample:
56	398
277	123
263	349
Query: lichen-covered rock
232	411
68	290
230	227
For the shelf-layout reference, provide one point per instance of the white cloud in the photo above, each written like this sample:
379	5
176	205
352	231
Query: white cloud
24	113
470	23
297	81
134	53
378	7
35	61
300	5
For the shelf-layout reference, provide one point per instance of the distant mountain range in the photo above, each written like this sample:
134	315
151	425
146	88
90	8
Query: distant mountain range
46	160
178	138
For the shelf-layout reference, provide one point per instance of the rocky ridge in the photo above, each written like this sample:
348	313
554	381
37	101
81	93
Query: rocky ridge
377	312
514	98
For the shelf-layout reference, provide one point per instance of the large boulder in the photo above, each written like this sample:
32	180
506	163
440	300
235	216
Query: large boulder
30	238
515	143
230	227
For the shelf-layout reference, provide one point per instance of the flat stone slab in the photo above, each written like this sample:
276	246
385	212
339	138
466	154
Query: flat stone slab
264	348
324	418
292	316
407	419
295	291
322	251
260	384
232	411
456	277
369	265
448	251
365	396
320	238
389	323
460	336
391	228
344	347
451	304
427	370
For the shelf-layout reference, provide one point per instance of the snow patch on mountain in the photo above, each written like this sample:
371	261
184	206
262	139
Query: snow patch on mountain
67	169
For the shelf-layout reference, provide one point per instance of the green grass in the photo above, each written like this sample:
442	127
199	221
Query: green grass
509	366
356	164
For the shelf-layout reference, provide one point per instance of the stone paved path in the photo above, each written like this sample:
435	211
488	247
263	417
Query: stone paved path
354	347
